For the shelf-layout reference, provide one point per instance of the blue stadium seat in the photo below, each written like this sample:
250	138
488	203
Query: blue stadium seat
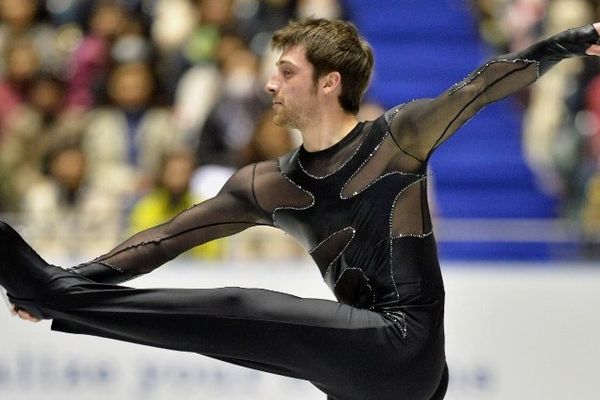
422	47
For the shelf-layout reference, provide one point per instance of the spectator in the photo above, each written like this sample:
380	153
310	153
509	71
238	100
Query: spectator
126	139
510	25
20	19
169	196
173	22
592	97
199	48
133	44
172	25
230	124
68	12
256	20
547	113
22	65
40	124
590	218
67	216
91	59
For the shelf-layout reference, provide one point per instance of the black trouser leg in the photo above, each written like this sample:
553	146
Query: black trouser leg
327	343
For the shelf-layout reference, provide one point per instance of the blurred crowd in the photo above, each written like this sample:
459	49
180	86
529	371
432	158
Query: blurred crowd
115	115
562	111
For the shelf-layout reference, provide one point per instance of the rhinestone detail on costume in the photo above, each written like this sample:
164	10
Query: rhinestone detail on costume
273	216
338	168
471	77
365	162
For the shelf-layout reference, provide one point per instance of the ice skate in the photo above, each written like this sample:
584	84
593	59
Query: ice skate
25	278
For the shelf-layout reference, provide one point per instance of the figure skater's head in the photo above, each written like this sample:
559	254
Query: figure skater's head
331	46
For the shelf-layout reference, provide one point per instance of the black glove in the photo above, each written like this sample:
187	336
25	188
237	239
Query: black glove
570	43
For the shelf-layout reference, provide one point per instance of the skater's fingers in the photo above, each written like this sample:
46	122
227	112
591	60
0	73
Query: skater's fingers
26	316
16	311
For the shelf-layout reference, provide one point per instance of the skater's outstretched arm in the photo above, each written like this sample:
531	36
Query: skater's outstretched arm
234	209
421	126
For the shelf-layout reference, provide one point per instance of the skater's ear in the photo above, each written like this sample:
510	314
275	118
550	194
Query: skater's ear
331	83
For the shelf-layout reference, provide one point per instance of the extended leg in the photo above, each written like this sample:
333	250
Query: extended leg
329	344
348	353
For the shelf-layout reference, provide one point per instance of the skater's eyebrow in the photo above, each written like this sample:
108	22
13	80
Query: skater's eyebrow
279	63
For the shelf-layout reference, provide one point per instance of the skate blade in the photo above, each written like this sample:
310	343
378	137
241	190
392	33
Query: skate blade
4	296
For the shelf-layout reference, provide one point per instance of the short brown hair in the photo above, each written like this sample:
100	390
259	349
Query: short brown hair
332	46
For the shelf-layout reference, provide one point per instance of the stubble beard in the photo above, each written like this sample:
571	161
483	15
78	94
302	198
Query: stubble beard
294	116
284	119
279	120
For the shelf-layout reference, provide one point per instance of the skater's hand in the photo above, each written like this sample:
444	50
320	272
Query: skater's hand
594	50
24	315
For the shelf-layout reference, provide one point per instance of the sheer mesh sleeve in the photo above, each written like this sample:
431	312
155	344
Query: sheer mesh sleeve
421	126
231	211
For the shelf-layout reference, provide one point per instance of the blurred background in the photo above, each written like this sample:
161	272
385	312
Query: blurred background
115	115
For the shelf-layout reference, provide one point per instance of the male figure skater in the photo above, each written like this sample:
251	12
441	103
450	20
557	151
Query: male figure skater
354	194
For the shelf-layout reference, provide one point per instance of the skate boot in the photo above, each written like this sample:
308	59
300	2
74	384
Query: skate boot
25	278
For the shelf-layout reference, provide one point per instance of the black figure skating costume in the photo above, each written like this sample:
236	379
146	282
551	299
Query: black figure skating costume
359	208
